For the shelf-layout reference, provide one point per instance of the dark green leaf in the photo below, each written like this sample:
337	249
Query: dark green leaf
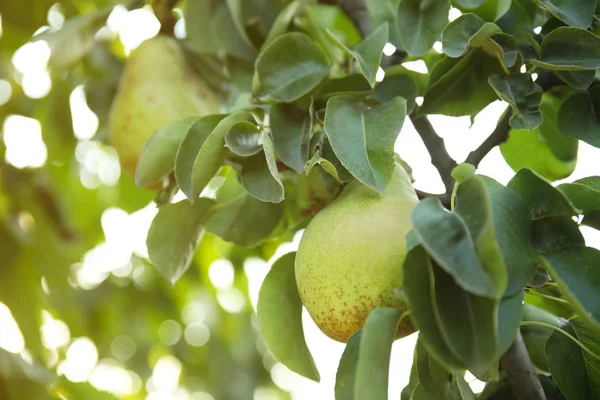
244	138
543	199
505	47
354	84
174	235
578	116
239	217
279	312
556	233
418	287
363	139
291	128
421	24
466	31
372	369
510	311
584	193
489	10
568	48
290	67
158	157
190	147
282	22
368	52
577	79
523	95
577	13
535	336
259	174
386	11
345	376
576	372
516	20
396	84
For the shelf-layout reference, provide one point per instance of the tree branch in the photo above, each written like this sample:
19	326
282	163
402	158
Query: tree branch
498	136
520	372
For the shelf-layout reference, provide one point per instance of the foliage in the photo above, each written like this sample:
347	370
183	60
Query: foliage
303	113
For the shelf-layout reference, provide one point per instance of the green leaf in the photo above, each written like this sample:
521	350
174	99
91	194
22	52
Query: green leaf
282	22
368	52
14	367
74	39
260	176
513	233
459	86
290	67
581	80
210	152
556	233
505	47
541	197
421	24
351	84
159	154
584	193
363	139
291	128
418	287
396	84
577	13
323	163
568	48
489	10
466	31
244	138
576	373
575	270
523	95
448	240
536	336
189	148
174	235
468	322
374	353
386	11
510	311
544	150
578	116
279	312
345	376
239	217
517	20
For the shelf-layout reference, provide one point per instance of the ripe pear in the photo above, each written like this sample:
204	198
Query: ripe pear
157	88
350	257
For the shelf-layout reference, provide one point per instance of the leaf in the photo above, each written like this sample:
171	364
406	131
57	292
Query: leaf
368	52
421	23
459	87
542	198
174	235
239	217
576	373
577	79
279	312
14	367
466	31
354	84
159	154
578	116
418	287
505	47
544	150
74	39
489	10
448	240
468	322
323	163
523	95
374	353
363	140
345	376
244	138
386	11
584	193
393	85
510	311
291	128
259	174
568	48
290	67
575	270
189	148
556	233
577	13
282	22
210	152
536	336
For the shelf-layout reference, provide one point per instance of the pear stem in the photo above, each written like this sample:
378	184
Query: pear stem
163	9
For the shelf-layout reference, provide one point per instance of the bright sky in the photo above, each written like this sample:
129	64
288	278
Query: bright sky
125	235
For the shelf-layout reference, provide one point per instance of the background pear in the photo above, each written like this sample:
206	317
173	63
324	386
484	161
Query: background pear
157	87
351	254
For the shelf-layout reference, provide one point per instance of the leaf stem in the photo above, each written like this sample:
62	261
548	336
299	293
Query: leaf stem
567	334
520	372
546	296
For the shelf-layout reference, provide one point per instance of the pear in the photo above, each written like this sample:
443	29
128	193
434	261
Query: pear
350	257
157	88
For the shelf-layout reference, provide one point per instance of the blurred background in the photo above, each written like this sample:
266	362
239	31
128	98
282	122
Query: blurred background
78	296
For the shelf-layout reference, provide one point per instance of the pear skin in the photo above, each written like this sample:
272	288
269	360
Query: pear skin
157	88
350	257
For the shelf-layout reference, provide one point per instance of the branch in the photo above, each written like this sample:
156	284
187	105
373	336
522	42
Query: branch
358	13
498	136
520	372
437	150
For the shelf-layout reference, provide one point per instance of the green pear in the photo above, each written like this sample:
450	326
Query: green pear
350	257
157	88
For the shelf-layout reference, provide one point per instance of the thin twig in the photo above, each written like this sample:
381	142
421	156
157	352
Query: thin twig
498	136
520	372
